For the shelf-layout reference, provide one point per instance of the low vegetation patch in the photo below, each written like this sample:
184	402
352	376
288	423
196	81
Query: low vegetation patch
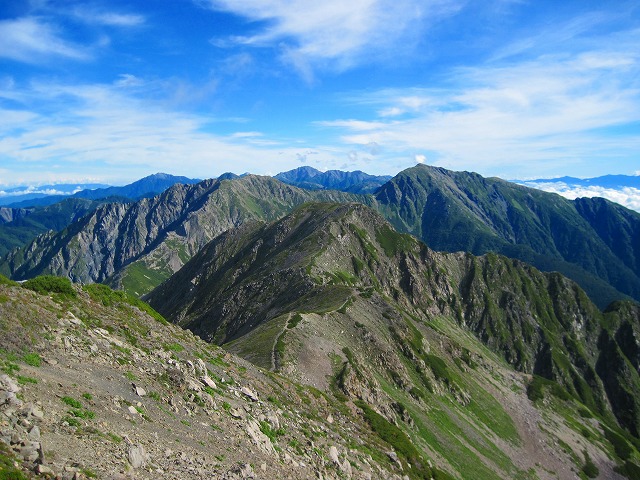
537	386
589	468
32	359
5	281
402	445
49	284
109	297
8	469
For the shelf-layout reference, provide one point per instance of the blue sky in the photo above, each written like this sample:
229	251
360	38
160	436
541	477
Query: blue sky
110	91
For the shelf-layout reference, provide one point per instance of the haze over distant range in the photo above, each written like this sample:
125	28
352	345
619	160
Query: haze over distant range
108	92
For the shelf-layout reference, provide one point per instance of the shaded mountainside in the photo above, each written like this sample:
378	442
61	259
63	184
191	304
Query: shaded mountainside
138	245
29	223
94	384
312	179
10	214
333	296
589	240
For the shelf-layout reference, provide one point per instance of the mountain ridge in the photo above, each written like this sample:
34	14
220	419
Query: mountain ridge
336	279
140	244
462	211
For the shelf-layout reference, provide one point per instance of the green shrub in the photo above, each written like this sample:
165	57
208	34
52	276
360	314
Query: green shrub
270	432
108	297
589	468
72	402
32	359
629	470
398	440
535	389
46	284
173	347
438	367
620	444
8	470
104	294
5	281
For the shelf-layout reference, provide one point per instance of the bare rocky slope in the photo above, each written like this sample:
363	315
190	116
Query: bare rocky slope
332	296
136	246
93	386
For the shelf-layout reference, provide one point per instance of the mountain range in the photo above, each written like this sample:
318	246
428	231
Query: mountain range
622	189
12	195
136	246
353	182
21	222
145	187
592	241
465	362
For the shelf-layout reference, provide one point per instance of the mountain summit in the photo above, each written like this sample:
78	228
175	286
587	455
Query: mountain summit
463	211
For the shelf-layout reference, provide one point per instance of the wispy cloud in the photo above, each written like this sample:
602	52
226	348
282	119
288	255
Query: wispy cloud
32	39
108	18
102	128
334	32
559	109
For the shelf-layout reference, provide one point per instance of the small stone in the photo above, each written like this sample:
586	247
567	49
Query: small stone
30	452
235	413
201	368
193	385
8	385
34	434
246	471
137	456
132	410
141	392
247	392
30	410
333	455
44	470
208	382
330	418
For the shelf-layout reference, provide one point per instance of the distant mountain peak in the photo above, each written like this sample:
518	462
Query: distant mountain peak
313	179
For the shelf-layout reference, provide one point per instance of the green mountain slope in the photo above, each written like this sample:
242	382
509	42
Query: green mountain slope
334	297
462	211
35	221
138	245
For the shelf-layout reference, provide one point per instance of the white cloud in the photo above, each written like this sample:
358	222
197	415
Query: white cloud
111	19
127	80
420	158
31	40
545	112
334	31
101	127
627	196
